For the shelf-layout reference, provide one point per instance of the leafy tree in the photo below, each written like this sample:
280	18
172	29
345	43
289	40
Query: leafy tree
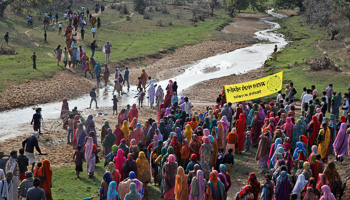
140	6
290	4
343	7
3	5
238	5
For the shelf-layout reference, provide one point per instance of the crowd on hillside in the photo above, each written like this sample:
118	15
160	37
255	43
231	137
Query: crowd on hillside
189	154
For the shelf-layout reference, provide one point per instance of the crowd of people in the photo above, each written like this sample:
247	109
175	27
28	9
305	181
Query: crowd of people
189	154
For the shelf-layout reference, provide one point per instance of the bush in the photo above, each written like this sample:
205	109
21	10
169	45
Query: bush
140	6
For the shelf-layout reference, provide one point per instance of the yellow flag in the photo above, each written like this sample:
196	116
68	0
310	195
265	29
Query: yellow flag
254	89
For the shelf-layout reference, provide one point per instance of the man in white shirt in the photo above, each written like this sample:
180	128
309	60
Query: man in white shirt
6	187
279	96
305	100
188	107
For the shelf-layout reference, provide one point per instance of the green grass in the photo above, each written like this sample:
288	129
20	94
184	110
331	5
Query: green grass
292	59
66	186
129	39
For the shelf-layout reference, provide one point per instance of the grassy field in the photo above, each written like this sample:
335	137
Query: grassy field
129	39
310	43
66	185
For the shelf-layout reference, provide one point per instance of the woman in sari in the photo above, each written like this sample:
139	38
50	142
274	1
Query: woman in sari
119	160
90	151
288	127
326	193
179	134
118	133
333	178
232	140
181	186
215	188
104	130
115	175
300	147
133	194
195	145
78	133
253	181
76	123
205	156
197	186
122	117
322	180
133	113
262	153
283	187
133	123
124	186
277	155
341	142
177	147
297	132
213	124
299	185
221	135
112	193
324	140
194	161
256	123
214	154
273	148
169	178
315	166
126	130
45	173
107	179
240	125
313	128
336	105
169	94
106	74
143	171
163	130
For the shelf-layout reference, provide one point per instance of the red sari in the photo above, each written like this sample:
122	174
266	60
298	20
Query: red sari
75	127
315	129
240	131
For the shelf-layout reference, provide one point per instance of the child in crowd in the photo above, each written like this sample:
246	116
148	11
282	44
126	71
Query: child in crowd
78	159
248	138
141	96
36	169
139	84
115	104
229	160
220	159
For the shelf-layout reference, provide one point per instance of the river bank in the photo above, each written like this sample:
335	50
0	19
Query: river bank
234	36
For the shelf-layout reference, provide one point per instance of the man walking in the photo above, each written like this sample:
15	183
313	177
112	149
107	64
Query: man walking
93	97
37	120
29	144
126	77
329	92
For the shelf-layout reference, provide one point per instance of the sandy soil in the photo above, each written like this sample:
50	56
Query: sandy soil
33	92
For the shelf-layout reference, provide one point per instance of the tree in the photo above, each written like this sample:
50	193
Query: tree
238	5
3	6
343	7
140	6
318	12
290	4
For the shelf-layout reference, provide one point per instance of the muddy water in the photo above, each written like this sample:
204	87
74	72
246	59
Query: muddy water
16	122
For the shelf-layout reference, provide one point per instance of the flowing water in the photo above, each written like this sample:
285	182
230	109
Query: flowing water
16	121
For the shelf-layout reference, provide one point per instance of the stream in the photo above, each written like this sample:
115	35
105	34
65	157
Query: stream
15	122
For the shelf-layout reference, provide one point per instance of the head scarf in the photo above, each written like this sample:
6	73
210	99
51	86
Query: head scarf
188	132
119	160
46	171
198	184
300	147
326	193
112	191
299	185
88	149
340	144
133	194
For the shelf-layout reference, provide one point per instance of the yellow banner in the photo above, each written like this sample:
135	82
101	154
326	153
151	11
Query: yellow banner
254	89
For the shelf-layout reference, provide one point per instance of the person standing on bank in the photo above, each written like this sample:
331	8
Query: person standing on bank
34	60
93	97
37	118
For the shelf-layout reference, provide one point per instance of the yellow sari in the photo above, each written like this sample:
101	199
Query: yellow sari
324	144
